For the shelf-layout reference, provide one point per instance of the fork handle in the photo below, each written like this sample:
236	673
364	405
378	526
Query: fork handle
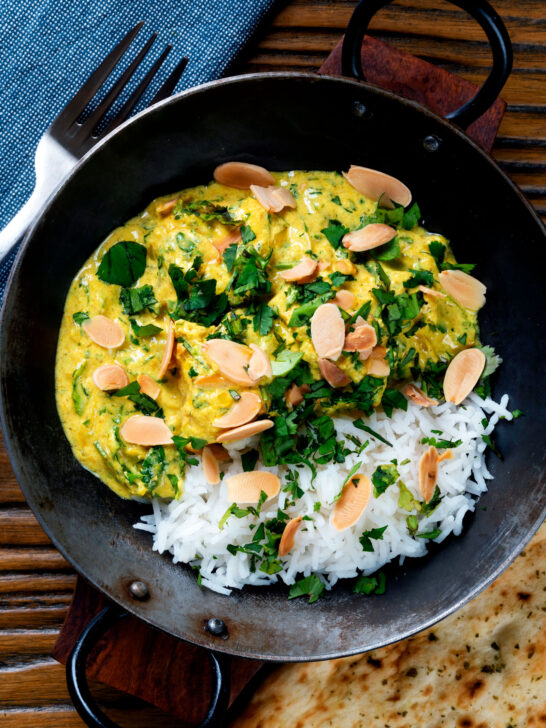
17	226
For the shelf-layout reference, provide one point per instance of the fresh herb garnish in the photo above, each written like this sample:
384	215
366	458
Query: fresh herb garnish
311	586
383	477
80	316
359	423
134	300
334	233
375	533
249	460
144	331
370	584
143	403
440	443
123	263
430	534
262	320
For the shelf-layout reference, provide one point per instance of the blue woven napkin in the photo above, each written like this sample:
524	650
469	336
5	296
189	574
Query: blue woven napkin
49	47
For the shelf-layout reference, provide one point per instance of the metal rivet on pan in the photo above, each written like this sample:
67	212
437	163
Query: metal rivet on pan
138	590
431	143
216	627
361	110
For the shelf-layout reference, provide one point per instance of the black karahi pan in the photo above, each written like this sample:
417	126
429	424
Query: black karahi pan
282	121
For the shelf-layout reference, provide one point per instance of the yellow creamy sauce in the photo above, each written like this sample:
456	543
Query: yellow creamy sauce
92	418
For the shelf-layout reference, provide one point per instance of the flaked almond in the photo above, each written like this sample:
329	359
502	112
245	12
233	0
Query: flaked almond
354	498
247	487
343	265
466	290
418	396
362	338
211	470
447	455
168	351
288	537
259	365
273	199
243	411
365	354
368	237
222	243
428	473
294	394
211	381
232	359
149	386
242	175
239	433
335	376
344	299
303	272
104	332
146	430
378	366
219	452
165	208
328	331
433	293
378	185
110	376
462	374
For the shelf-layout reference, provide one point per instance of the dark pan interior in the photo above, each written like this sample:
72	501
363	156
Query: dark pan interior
283	122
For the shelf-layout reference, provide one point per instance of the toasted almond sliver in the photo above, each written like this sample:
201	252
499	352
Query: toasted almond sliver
247	487
211	470
418	396
343	265
466	290
344	299
294	395
303	272
447	455
110	376
243	411
365	354
211	380
378	366
219	452
259	365
146	430
428	473
104	332
328	331
232	359
149	386
168	351
239	433
165	208
242	174
432	292
368	237
289	536
273	199
378	185
353	500
227	240
462	374
335	376
362	338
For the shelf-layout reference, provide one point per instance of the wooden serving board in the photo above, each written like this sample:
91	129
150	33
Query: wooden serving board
143	661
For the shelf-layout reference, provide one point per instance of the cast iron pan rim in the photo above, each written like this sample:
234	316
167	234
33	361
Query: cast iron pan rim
133	607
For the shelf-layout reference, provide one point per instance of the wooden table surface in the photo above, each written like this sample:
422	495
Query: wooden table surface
35	581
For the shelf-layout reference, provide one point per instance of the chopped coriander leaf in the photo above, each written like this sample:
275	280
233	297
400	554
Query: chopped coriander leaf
370	584
249	460
123	263
492	361
363	311
174	482
334	233
420	278
440	443
233	510
144	331
430	534
427	508
263	318
142	402
383	477
247	234
389	251
80	316
411	217
375	533
406	499
361	426
153	467
229	255
492	446
285	362
302	314
438	251
206	210
393	398
517	413
311	586
337	279
135	300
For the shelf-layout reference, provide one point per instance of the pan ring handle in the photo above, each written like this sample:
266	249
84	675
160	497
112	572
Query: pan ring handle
86	705
480	10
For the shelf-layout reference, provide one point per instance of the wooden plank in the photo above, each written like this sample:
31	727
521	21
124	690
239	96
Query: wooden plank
25	618
20	527
64	716
27	642
31	558
34	583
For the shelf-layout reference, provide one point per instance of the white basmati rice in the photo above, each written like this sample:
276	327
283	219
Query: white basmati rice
188	528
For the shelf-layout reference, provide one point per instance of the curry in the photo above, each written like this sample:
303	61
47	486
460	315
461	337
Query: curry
227	311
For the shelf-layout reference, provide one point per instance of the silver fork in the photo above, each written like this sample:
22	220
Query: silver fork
67	140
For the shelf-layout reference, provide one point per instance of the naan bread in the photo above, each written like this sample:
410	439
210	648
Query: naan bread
483	667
